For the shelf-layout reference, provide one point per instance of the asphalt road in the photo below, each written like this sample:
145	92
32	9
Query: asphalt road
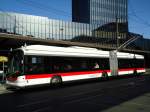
130	94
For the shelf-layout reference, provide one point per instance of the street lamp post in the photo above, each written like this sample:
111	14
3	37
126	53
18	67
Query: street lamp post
3	71
15	26
3	59
117	32
61	29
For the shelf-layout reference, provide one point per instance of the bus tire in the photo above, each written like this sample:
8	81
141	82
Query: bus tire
105	76
56	80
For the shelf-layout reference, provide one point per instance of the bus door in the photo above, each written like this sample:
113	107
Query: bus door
113	63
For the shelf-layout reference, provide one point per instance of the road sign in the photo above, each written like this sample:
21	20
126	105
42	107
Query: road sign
3	59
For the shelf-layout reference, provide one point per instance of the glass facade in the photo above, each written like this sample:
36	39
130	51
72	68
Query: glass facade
105	16
106	11
42	27
50	29
101	12
94	21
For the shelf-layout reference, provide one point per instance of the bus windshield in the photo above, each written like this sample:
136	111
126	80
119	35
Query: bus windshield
16	62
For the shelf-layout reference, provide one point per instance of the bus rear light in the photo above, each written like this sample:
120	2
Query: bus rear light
12	78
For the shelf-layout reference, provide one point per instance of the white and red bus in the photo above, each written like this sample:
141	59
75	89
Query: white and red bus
40	64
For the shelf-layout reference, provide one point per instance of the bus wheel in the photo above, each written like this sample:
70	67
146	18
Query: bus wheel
56	80
105	76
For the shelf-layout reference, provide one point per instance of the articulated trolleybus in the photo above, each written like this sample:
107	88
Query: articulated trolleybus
39	64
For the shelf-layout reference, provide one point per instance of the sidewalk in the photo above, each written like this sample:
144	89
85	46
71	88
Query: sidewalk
147	71
2	88
138	104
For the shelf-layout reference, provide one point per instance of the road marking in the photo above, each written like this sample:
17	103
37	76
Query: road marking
83	99
34	103
43	109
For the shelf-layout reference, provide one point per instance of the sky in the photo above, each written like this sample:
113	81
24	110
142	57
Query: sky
138	10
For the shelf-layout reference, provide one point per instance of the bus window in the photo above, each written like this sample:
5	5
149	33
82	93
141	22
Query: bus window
67	67
96	66
34	64
104	64
56	68
16	62
83	65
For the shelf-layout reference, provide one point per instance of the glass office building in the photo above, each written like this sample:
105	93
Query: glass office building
104	15
94	21
42	27
99	11
45	28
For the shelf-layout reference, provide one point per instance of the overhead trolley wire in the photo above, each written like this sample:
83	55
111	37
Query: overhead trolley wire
138	18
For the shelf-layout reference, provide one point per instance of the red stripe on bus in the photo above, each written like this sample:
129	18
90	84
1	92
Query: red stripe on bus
140	68
130	69
36	76
80	73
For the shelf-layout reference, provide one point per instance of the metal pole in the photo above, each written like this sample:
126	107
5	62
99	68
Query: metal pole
117	32
15	25
3	72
